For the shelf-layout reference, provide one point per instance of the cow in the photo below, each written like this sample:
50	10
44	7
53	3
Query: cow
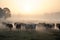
48	26
9	25
30	27
58	25
18	26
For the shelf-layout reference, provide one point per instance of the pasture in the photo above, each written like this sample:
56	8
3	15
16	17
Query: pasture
31	32
30	35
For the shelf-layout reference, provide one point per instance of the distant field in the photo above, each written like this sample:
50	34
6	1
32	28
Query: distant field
26	35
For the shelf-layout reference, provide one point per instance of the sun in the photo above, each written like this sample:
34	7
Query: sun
27	8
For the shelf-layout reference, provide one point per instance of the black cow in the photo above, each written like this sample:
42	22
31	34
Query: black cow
18	25
9	25
30	26
48	26
58	25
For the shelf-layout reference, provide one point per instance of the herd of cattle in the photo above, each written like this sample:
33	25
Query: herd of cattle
31	26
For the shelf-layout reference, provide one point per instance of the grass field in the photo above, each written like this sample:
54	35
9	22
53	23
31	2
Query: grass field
26	35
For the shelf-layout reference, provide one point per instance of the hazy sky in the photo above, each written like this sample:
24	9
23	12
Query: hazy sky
31	8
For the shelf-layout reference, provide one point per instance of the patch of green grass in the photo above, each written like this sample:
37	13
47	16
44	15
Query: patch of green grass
26	35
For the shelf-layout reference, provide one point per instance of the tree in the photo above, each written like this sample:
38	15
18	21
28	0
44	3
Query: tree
7	12
1	13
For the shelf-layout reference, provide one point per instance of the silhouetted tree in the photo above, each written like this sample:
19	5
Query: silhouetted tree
7	12
1	13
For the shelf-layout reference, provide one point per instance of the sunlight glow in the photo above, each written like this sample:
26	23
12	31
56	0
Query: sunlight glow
32	7
27	8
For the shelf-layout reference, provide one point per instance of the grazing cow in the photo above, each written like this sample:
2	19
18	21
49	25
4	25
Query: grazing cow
33	26
30	26
9	25
18	25
48	26
58	25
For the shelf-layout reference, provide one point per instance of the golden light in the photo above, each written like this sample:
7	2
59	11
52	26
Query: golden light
31	6
27	8
24	7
